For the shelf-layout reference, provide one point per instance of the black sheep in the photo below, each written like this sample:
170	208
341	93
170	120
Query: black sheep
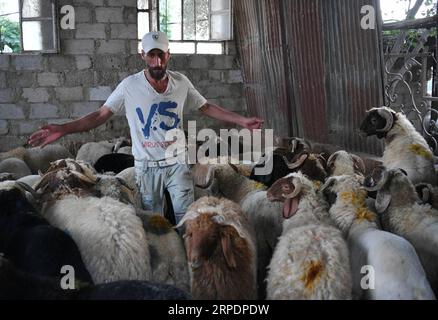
114	162
30	242
19	285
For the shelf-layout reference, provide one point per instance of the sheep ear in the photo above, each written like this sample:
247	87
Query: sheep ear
383	200
227	250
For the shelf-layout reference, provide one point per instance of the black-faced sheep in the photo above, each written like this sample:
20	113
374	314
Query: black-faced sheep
405	148
108	233
311	258
397	203
397	271
18	285
221	250
30	242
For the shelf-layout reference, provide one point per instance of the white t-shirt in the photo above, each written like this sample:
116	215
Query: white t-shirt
151	114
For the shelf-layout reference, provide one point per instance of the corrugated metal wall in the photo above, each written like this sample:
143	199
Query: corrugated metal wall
310	70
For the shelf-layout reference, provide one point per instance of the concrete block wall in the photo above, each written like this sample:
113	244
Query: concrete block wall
36	89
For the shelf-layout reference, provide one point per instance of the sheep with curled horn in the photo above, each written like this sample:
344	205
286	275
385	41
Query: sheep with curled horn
297	156
311	259
221	250
397	203
108	232
405	148
397	268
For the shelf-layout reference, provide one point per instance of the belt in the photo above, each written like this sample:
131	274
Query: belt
155	164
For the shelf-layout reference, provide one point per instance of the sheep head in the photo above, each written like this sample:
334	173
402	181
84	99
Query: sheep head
67	174
289	190
342	162
378	122
392	186
13	196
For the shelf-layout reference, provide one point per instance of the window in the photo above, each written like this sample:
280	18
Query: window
193	26
28	26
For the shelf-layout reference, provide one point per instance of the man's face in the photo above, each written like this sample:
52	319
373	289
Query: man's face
156	62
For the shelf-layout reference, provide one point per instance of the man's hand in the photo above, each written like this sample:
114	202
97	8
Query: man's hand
46	135
252	123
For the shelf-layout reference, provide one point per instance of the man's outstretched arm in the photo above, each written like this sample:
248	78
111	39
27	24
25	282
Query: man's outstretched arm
52	132
216	112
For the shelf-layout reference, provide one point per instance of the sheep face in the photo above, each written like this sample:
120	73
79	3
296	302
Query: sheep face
378	122
342	162
392	186
348	187
289	190
201	238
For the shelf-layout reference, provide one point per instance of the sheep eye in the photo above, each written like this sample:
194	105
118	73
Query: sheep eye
373	121
285	187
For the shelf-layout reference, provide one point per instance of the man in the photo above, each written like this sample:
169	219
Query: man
153	101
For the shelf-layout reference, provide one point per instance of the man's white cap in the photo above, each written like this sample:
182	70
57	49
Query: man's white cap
155	40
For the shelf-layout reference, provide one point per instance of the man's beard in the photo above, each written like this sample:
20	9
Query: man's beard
157	73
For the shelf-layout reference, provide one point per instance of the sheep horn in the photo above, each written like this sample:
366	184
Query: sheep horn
84	177
332	159
298	163
210	179
382	181
294	145
388	116
295	193
25	187
358	163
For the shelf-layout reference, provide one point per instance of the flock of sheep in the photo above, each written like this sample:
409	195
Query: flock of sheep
311	229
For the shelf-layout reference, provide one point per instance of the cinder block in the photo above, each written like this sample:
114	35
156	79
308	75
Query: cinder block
60	62
234	76
129	15
27	127
4	127
27	62
43	111
215	75
109	62
199	62
100	93
24	79
5	61
6	95
135	48
113	15
3	79
77	78
82	14
111	47
124	3
123	31
69	94
11	111
90	31
83	62
223	62
80	109
36	94
222	91
78	47
49	79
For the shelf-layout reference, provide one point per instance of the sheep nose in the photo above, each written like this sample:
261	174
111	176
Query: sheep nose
195	264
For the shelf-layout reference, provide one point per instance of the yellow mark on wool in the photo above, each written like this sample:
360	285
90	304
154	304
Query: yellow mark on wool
259	186
317	184
356	198
365	214
312	273
421	151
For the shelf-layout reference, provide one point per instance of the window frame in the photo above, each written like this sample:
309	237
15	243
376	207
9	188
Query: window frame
154	15
55	25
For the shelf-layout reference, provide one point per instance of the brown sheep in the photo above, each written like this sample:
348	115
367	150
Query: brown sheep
221	251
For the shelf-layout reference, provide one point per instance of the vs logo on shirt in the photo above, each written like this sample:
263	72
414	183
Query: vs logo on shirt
163	109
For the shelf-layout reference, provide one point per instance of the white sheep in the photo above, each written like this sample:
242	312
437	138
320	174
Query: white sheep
311	258
39	159
91	152
397	203
221	250
15	166
344	163
405	148
396	269
108	233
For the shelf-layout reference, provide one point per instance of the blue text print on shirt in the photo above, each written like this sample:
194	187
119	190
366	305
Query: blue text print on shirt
163	109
